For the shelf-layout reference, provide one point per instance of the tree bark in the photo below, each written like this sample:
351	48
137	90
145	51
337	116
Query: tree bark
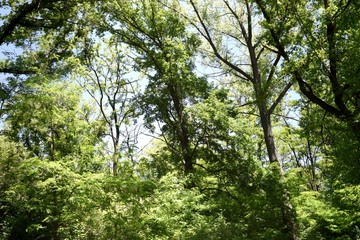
288	217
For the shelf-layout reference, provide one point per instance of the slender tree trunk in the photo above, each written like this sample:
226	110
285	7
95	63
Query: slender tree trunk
115	157
115	164
286	208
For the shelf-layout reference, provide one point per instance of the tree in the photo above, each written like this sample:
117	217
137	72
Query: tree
164	55
328	30
237	46
107	79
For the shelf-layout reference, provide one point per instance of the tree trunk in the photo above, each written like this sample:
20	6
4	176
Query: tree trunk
286	209
182	129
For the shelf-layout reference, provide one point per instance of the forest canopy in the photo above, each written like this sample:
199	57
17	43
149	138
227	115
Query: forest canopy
169	119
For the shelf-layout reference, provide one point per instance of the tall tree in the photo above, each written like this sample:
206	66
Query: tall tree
164	54
107	79
231	30
318	41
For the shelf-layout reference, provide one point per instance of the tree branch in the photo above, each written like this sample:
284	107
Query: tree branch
304	87
208	37
8	28
280	97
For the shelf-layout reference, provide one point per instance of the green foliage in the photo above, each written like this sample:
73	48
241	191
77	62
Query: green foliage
321	219
177	212
44	32
12	155
48	121
59	141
